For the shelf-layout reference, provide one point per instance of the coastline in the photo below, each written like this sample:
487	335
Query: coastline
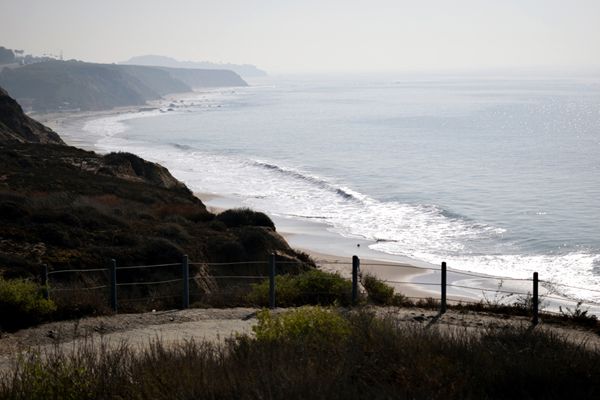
333	252
317	239
412	278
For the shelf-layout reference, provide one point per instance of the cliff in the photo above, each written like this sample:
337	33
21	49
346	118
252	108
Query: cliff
71	208
74	85
16	126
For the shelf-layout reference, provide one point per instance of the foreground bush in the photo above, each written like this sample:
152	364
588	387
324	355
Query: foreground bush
311	287
22	304
308	324
377	359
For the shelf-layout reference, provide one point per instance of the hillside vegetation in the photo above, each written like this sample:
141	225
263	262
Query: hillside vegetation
320	353
69	208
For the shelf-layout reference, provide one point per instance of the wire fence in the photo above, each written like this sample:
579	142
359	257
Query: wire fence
222	284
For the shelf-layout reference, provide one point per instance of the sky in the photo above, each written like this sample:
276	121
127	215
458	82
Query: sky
285	36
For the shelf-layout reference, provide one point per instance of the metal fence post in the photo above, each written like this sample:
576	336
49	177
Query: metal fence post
272	267
443	297
46	287
355	269
534	300
185	267
113	284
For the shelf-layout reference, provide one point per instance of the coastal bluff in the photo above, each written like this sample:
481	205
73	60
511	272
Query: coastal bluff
70	208
80	86
16	126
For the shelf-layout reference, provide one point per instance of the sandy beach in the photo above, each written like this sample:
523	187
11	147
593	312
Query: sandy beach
333	251
412	278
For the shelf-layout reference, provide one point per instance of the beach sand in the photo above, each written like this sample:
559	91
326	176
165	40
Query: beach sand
333	252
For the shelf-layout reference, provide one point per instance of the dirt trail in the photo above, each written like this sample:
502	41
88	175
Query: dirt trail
135	329
215	325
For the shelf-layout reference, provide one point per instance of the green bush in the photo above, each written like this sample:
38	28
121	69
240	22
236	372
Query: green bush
307	324
22	304
379	292
311	287
244	216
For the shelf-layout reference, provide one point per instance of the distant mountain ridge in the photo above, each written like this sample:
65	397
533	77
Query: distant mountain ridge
75	85
245	70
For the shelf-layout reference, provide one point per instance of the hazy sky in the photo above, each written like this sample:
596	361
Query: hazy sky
313	36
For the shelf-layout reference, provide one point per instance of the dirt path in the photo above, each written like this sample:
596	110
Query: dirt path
215	325
135	329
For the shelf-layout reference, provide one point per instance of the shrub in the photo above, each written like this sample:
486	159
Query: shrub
306	324
311	287
244	216
22	304
579	316
313	353
379	292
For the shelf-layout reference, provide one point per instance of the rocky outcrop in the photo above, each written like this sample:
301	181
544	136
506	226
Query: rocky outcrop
131	167
16	126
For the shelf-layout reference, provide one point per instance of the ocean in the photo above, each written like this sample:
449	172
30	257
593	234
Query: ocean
496	175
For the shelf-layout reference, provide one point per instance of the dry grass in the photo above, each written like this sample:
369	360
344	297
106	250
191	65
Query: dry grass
377	359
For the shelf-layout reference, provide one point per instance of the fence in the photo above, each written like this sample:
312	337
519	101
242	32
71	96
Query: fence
180	277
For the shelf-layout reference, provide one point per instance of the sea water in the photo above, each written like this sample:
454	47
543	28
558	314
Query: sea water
494	175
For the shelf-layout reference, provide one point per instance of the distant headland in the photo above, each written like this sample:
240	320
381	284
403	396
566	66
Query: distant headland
244	70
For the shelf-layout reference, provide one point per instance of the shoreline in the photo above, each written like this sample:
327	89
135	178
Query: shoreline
412	278
333	253
317	238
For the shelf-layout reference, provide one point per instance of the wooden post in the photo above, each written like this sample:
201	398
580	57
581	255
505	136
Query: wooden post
535	300
355	269
113	284
46	283
185	274
272	267
443	297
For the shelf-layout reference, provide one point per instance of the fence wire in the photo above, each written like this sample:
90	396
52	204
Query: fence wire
149	283
549	285
148	266
59	289
61	271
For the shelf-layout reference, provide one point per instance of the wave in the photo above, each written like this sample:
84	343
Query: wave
423	232
312	179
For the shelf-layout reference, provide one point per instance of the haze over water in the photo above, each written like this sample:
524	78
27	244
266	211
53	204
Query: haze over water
494	175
